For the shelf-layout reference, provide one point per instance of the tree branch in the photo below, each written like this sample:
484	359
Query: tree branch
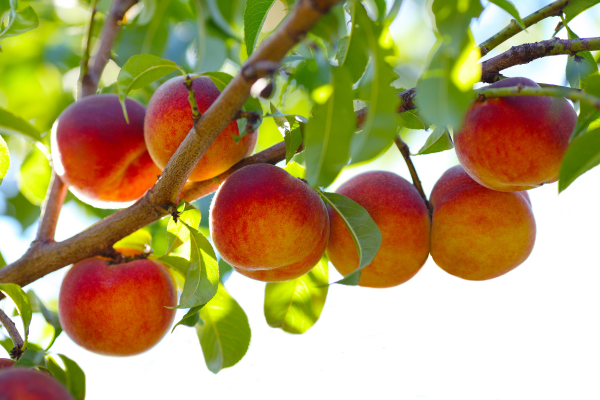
551	10
10	327
89	82
556	91
51	210
45	258
404	150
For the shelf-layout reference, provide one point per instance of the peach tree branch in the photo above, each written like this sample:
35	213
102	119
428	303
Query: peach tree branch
556	91
51	210
14	335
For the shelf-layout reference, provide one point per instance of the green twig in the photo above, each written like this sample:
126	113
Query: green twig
551	10
192	98
556	91
87	43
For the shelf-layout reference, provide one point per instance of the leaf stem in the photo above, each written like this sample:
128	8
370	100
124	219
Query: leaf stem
404	150
17	351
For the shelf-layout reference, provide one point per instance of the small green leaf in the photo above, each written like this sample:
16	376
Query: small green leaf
139	71
35	176
580	66
438	140
364	231
139	240
255	16
50	316
190	319
411	120
177	233
20	21
11	124
587	112
4	159
296	170
18	296
510	8
225	332
75	378
583	154
32	357
202	277
353	50
2	261
296	305
57	372
329	132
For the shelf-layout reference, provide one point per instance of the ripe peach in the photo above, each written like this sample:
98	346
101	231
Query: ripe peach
403	219
6	363
28	384
169	120
117	309
479	233
267	224
515	143
102	158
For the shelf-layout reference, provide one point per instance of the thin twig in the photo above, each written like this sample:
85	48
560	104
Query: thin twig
404	150
10	327
192	98
51	210
87	43
557	91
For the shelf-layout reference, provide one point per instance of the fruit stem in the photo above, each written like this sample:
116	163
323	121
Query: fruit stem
17	351
556	91
404	150
551	10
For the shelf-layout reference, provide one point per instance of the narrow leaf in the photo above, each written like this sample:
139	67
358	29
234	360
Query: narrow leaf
510	8
587	112
583	154
438	140
296	305
75	377
19	22
353	50
580	66
364	231
255	16
18	296
50	316
12	124
140	240
225	332
4	159
190	319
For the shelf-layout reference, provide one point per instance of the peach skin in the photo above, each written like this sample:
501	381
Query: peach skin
515	143
169	120
102	158
403	219
479	233
267	224
28	384
117	309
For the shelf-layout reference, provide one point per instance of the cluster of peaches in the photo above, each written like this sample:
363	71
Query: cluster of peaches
273	227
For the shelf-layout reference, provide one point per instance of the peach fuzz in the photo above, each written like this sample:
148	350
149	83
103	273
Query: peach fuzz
403	219
117	309
102	158
169	120
515	143
28	384
267	224
6	363
479	233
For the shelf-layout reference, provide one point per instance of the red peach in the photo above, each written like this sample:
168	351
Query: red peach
28	384
6	363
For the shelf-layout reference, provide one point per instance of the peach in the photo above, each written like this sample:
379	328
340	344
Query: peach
6	363
403	219
169	120
515	143
103	159
28	384
478	233
267	224
117	309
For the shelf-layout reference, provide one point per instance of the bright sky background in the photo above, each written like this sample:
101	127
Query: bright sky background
530	334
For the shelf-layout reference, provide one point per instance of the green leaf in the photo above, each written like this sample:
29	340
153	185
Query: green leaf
75	377
510	8
18	296
225	332
11	124
139	240
438	140
576	7
50	316
19	22
580	66
177	233
4	159
176	263
202	277
290	128
379	129
2	261
329	132
221	22
139	71
583	154
296	305
296	170
364	231
255	16
57	372
190	319
35	176
225	271
353	50
411	120
31	358
394	9
587	112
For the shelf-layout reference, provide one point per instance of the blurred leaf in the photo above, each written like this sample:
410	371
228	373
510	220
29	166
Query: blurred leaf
57	372
18	296
75	378
329	132
225	271
353	52
510	8
32	358
289	126
580	66
177	232
411	120
326	27
2	261
147	12
138	240
225	333
394	9
50	316
296	170
576	7
22	209
139	71
364	231
218	19
438	140
378	130
583	154
4	159
202	277
587	112
296	305
255	16
35	176
11	124
19	22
